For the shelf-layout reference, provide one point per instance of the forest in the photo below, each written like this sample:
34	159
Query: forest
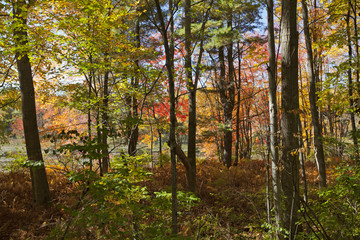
179	119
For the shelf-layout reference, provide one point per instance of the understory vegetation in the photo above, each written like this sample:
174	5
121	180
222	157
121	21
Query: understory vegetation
132	202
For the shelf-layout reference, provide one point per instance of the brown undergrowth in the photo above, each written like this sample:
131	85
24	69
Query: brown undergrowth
232	199
18	218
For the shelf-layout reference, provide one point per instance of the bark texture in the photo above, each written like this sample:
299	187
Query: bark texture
350	81
168	43
289	116
105	123
40	187
273	112
227	97
317	137
191	86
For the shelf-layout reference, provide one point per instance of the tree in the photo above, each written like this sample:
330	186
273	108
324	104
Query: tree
274	143
229	29
168	42
191	173
41	192
317	137
289	116
350	80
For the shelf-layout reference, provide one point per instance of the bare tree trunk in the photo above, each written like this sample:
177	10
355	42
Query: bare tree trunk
318	144
40	186
160	147
134	135
169	52
274	142
151	145
268	184
238	88
226	99
191	85
350	82
290	116
99	141
231	96
90	81
357	100
302	164
105	122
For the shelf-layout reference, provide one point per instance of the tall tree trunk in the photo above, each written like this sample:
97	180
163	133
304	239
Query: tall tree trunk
225	96
238	88
350	82
191	86
151	145
169	62
105	122
357	100
90	80
132	147
302	164
357	86
40	186
99	140
160	147
290	116
229	106
317	137
273	112
268	184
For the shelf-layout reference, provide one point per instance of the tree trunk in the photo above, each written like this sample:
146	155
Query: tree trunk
89	81
99	140
134	135
191	86
356	40
238	88
227	108
105	123
317	137
289	116
350	82
40	186
169	54
302	164
160	147
274	143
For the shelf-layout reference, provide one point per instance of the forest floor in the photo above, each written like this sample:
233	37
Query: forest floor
234	198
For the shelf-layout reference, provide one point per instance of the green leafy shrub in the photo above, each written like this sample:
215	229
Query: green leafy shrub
116	206
18	162
336	213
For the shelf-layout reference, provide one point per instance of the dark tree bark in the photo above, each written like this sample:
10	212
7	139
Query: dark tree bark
191	86
317	136
40	187
273	112
356	42
160	147
99	139
227	97
289	115
230	101
134	132
105	122
302	165
237	127
350	82
90	81
169	62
